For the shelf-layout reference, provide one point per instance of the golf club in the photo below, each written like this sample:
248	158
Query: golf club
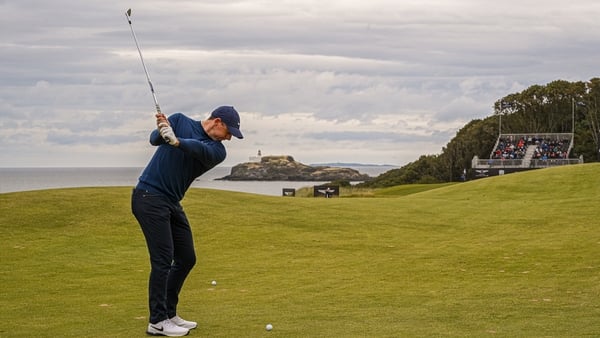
128	15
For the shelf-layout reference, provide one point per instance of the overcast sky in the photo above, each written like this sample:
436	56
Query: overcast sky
324	81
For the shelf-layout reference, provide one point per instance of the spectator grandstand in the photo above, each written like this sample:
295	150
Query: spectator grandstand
528	151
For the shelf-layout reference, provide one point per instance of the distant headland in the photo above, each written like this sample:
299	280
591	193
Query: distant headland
285	168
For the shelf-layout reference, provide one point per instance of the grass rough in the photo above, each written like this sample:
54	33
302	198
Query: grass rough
509	256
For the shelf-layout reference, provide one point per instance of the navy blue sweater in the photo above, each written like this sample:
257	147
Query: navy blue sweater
172	170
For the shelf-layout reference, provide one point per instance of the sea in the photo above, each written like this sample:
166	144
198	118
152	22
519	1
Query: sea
27	179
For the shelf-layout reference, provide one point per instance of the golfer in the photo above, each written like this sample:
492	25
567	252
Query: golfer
186	149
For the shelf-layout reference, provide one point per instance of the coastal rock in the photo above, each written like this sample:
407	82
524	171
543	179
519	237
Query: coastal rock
285	168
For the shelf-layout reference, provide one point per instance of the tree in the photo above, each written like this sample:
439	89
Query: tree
591	117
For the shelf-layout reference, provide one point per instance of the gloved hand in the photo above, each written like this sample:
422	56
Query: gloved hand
167	133
161	119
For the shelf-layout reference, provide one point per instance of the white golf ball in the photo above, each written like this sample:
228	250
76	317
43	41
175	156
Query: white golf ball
214	283
269	327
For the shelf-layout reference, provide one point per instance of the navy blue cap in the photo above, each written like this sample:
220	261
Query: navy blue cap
231	118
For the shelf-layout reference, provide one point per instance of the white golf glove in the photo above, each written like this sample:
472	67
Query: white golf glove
167	133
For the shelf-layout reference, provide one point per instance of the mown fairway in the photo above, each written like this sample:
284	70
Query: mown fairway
511	256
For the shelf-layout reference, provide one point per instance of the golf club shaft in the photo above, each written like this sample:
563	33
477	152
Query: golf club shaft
128	15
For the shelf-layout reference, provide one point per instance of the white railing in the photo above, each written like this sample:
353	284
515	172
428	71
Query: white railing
499	163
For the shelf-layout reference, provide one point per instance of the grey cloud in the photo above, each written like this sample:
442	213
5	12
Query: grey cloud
72	66
94	140
388	137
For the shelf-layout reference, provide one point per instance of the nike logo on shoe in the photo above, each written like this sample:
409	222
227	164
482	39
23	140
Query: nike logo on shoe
157	328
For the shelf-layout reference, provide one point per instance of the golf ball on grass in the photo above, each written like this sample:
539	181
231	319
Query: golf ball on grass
214	283
269	327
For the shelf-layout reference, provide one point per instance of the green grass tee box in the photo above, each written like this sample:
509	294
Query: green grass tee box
509	256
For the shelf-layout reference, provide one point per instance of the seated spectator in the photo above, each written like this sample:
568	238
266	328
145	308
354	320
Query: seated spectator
551	149
507	150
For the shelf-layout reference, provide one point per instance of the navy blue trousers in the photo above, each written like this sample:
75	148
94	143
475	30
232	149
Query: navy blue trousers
171	248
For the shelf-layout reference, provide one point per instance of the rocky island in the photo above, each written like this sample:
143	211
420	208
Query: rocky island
285	168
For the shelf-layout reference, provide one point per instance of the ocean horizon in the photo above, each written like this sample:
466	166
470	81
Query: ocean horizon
38	178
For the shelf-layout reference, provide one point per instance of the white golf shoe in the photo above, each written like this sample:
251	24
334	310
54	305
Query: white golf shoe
166	328
183	323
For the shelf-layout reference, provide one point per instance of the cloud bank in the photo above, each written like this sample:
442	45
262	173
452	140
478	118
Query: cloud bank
352	81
